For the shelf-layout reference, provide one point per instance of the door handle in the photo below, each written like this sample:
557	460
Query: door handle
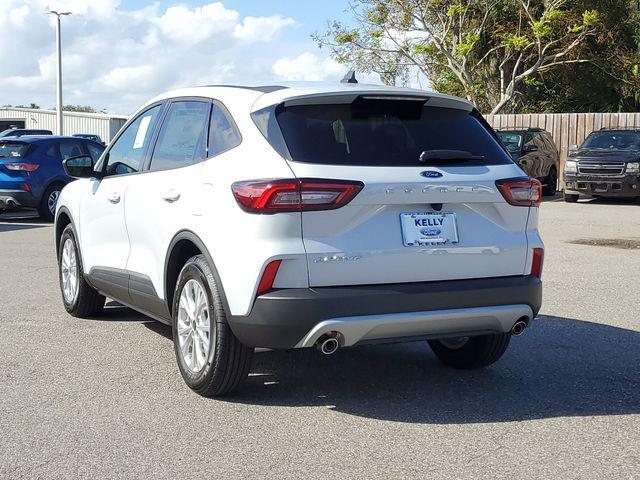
114	197
171	196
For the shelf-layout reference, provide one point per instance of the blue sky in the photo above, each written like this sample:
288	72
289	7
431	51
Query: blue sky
118	53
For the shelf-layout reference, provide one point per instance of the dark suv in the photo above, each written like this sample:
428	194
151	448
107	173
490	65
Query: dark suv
536	153
31	172
606	165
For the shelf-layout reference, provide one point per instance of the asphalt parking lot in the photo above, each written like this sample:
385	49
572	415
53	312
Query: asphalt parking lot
103	398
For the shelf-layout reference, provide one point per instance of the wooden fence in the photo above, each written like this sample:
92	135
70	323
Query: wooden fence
567	128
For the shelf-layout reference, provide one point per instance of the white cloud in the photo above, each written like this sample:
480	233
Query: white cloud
308	67
182	24
261	29
18	15
116	59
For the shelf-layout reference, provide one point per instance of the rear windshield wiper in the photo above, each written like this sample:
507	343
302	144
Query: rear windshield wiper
448	156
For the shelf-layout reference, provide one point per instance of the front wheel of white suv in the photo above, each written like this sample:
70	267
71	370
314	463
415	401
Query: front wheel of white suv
471	352
80	299
211	359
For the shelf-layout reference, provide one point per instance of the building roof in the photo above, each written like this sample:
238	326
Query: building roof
66	112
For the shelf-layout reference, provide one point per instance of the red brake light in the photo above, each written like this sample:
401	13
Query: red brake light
24	167
536	264
521	191
268	276
294	195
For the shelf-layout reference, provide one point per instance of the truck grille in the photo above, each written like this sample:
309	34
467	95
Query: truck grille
589	168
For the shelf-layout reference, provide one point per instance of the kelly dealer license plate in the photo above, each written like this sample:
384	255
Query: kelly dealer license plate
429	228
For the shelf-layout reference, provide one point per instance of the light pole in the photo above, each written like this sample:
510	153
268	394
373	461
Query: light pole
59	85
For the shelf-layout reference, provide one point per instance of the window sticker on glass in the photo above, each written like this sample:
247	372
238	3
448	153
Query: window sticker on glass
142	132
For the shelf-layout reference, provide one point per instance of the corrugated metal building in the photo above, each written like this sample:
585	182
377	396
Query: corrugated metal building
105	125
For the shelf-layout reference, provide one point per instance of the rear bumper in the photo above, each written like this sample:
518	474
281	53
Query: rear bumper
10	199
290	318
626	186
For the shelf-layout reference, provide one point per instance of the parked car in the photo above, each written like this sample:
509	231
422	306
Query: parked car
535	151
20	132
292	216
607	164
90	136
31	171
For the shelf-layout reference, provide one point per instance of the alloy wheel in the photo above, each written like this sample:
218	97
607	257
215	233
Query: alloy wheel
194	326
69	271
52	201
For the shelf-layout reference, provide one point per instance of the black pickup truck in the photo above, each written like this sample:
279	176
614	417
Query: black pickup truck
607	164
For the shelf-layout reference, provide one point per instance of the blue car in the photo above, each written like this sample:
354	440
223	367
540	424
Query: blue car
31	172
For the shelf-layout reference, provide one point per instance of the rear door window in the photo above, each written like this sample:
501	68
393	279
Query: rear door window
182	139
70	148
223	134
382	132
95	151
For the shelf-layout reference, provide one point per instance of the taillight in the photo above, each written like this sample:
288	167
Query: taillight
536	264
268	276
294	195
24	167
521	191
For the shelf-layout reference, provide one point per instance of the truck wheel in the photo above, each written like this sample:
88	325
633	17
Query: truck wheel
571	197
471	352
551	183
80	299
211	359
47	207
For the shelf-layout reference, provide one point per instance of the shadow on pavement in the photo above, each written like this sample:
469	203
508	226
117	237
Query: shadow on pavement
13	227
560	367
20	220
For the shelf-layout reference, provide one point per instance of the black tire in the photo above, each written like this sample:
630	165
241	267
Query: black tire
43	209
551	183
571	197
87	302
228	361
476	352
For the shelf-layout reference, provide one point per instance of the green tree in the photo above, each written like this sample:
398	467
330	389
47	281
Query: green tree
79	108
489	51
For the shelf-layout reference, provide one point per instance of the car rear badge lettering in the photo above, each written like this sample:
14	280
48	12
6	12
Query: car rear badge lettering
431	174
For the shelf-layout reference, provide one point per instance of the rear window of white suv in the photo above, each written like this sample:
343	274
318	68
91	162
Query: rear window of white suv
382	132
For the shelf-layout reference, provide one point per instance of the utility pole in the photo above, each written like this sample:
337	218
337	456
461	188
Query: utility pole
59	79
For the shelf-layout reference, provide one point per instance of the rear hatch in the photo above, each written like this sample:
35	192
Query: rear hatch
429	209
12	156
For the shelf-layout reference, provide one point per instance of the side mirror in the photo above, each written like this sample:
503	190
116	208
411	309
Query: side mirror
530	147
79	167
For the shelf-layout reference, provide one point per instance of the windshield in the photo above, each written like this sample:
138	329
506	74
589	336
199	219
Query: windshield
513	141
613	141
383	132
13	149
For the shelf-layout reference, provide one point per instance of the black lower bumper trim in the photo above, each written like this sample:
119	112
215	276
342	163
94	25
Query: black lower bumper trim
279	319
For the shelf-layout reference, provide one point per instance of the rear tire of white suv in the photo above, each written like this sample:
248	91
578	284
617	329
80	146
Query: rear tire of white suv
211	359
472	352
80	299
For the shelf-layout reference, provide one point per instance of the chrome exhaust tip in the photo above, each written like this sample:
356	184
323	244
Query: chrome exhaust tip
328	343
519	328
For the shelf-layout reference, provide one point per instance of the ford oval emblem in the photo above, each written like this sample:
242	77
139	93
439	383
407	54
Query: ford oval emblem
430	232
431	174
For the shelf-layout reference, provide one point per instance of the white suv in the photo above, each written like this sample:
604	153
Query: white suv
298	215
